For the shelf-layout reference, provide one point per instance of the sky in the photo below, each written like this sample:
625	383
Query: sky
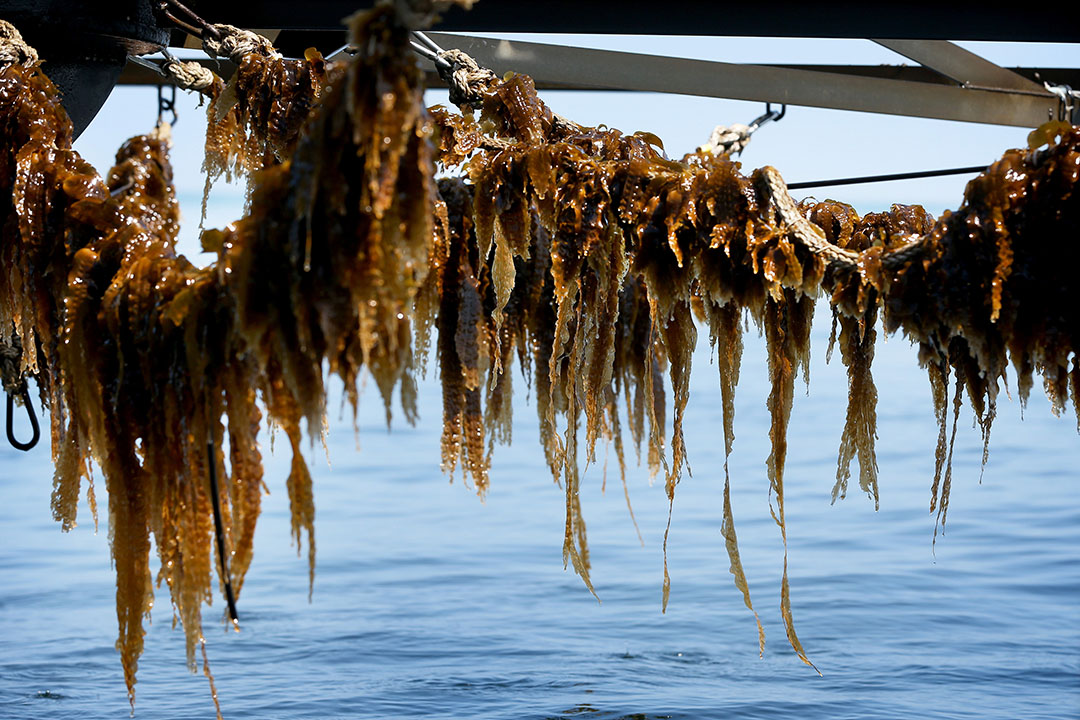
807	144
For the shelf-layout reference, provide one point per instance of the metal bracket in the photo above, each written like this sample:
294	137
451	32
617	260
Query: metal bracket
962	66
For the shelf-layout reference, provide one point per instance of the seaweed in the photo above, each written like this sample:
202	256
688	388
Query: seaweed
583	252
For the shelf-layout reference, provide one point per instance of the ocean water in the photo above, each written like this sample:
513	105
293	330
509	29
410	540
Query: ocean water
429	602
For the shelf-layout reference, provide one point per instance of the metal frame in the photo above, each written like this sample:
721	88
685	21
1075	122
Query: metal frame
1029	106
950	83
1004	20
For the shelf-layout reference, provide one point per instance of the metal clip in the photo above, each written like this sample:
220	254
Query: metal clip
1068	102
428	48
769	116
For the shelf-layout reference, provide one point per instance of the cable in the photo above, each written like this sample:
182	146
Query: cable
219	534
886	178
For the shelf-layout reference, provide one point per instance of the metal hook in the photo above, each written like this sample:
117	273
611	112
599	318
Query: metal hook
431	44
166	104
35	428
769	116
152	66
1068	101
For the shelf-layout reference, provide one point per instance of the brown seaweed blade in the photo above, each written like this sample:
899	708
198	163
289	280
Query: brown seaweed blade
726	334
150	310
787	323
857	337
254	120
326	268
463	333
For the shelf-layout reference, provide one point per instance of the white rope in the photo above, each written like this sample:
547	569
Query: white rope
188	75
234	43
728	139
13	49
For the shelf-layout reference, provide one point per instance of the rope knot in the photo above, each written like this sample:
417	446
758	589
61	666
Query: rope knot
234	43
466	78
728	140
13	49
188	75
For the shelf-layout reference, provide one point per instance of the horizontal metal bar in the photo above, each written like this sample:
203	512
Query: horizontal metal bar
961	65
653	73
938	19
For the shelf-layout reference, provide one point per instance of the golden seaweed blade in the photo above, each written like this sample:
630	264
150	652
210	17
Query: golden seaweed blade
122	375
330	257
254	120
328	261
35	160
615	209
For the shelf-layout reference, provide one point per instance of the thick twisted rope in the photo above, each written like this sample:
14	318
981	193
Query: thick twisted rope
188	75
468	81
732	140
812	237
13	49
234	43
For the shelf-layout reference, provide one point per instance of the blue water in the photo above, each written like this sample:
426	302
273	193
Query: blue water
430	603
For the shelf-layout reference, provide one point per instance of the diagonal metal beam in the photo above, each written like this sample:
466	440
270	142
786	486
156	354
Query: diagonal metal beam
605	69
963	66
135	74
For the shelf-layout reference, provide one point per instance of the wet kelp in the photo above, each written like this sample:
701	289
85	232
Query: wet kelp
631	230
129	362
254	119
697	235
986	285
585	253
843	227
140	355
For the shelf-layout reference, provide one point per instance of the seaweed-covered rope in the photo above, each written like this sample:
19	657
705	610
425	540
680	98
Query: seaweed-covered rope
468	82
811	236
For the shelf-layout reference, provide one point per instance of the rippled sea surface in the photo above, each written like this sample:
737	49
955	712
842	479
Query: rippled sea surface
431	603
